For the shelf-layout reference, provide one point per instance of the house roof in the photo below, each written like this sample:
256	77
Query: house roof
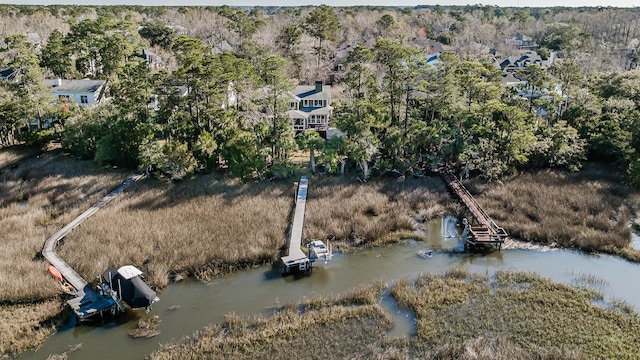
322	111
308	92
7	73
510	79
297	114
75	86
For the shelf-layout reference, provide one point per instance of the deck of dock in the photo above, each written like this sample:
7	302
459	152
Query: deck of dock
87	301
296	259
485	231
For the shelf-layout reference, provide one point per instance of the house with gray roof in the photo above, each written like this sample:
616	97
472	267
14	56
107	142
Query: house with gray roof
84	92
310	108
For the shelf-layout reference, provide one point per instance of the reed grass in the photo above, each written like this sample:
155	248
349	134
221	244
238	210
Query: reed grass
38	198
589	210
24	325
357	214
10	156
525	310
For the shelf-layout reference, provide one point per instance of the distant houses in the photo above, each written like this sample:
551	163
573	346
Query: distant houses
521	41
512	64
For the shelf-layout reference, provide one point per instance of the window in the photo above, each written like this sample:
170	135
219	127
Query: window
317	103
63	97
84	99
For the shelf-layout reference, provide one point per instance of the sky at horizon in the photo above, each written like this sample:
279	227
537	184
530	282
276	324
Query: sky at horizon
502	3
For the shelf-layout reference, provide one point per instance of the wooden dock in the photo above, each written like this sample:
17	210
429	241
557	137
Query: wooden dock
485	232
87	301
296	259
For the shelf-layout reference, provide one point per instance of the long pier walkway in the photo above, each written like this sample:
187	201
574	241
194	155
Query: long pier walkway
87	301
296	258
487	232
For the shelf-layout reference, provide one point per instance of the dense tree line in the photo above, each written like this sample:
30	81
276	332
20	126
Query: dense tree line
226	110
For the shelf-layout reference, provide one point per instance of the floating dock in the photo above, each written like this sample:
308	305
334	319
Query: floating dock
485	233
87	301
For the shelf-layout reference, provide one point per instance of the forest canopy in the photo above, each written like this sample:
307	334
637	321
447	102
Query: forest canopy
414	89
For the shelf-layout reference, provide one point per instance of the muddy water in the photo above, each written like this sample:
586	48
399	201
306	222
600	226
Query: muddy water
190	305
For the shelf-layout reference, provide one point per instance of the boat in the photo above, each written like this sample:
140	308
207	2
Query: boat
128	281
425	253
319	251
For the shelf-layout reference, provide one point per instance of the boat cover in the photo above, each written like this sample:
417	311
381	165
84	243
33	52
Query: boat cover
133	290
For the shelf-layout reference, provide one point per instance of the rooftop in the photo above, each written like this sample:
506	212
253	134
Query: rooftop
75	86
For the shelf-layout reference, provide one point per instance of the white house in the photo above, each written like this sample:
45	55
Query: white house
310	108
84	92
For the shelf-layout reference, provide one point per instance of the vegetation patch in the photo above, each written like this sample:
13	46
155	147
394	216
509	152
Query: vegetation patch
210	226
591	210
338	329
522	309
24	326
147	328
37	198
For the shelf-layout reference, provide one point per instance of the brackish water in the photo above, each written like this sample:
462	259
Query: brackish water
261	289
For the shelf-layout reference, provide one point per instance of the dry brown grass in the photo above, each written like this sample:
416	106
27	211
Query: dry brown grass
11	155
23	326
358	214
37	199
204	227
209	226
589	210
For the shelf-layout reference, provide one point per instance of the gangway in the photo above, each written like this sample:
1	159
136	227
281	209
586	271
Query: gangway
486	232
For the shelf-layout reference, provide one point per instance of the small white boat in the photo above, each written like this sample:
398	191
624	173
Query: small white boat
319	251
425	253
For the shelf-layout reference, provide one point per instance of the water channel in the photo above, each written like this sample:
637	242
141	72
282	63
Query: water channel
190	305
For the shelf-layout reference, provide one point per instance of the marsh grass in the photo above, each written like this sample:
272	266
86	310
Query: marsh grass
590	210
357	214
10	156
38	198
210	226
24	325
460	315
339	329
204	227
523	310
147	328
